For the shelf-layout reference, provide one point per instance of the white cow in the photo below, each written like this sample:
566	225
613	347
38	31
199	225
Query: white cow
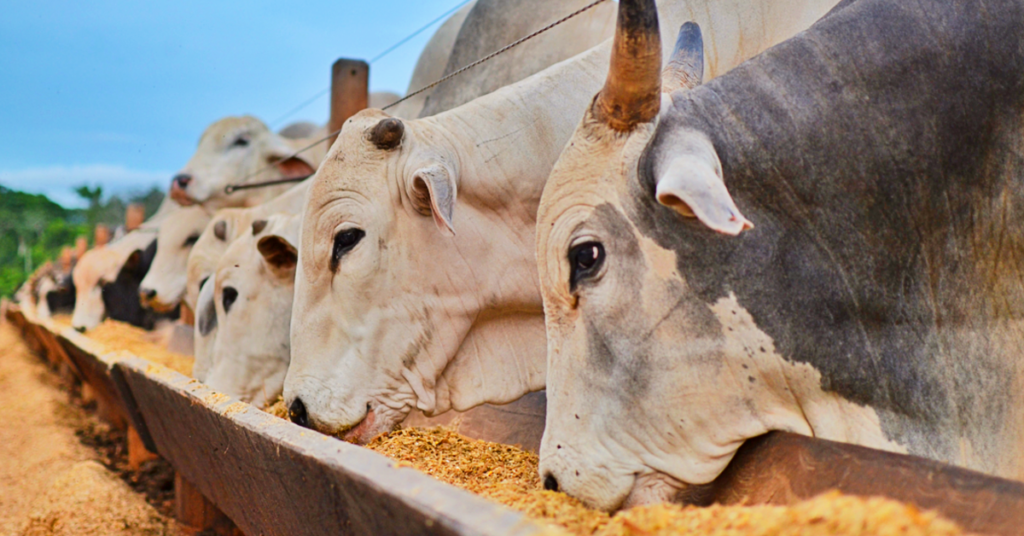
417	280
102	265
164	284
250	306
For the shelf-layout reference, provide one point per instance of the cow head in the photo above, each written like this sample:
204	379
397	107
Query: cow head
96	269
647	398
391	309
231	150
252	301
164	285
222	229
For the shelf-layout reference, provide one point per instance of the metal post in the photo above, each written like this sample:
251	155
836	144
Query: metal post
350	92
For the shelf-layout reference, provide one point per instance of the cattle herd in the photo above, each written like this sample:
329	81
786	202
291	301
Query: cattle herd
688	222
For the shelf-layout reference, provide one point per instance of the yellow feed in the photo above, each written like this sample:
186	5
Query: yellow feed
116	335
508	475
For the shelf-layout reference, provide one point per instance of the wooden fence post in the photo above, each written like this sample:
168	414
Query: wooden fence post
350	92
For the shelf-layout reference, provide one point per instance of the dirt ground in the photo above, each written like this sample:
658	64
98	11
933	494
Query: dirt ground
55	460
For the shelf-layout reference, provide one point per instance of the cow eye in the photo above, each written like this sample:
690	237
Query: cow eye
230	295
344	241
240	141
584	261
191	240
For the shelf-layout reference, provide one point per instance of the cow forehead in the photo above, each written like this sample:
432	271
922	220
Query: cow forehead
594	169
230	125
353	163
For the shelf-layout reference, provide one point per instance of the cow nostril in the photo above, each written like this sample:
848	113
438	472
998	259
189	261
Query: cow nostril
550	483
297	413
80	329
182	179
149	293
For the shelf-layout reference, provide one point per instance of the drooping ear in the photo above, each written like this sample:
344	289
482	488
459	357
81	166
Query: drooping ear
632	92
433	192
133	264
695	189
280	255
291	165
220	230
685	70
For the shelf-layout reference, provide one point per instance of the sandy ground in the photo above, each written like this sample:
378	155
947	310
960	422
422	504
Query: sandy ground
49	482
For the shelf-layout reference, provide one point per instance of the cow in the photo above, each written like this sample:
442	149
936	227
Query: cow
451	47
164	284
224	228
819	241
242	149
102	265
416	285
250	307
106	281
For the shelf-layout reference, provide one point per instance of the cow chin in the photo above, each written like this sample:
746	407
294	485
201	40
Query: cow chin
370	427
655	488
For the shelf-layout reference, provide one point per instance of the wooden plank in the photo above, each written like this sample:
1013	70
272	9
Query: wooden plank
273	477
197	513
93	364
780	468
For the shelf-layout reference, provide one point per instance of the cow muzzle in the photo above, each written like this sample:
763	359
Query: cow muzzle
179	192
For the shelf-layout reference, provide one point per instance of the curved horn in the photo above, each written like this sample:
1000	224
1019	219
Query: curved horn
685	68
632	92
387	134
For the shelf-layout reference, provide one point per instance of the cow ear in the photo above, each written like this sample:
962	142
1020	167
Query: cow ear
685	70
433	193
280	255
220	230
133	261
291	165
694	189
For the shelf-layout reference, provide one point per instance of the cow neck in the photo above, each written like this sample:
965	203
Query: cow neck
505	144
877	170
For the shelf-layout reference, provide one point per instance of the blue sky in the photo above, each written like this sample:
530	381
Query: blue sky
117	93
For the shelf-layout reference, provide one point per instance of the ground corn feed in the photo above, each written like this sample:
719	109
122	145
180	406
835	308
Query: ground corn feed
116	335
508	475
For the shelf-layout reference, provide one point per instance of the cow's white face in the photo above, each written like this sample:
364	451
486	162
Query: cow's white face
224	227
96	268
384	294
253	300
646	395
164	285
651	387
229	151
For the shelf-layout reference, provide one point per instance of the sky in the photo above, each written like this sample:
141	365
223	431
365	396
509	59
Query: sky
117	93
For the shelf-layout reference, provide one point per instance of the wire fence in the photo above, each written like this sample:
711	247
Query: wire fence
243	183
373	60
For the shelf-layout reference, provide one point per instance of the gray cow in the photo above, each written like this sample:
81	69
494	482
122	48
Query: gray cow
825	240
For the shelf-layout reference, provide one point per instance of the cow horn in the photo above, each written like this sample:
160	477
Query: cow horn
685	69
387	134
632	92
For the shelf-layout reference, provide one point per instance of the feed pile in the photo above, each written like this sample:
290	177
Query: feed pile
509	475
121	336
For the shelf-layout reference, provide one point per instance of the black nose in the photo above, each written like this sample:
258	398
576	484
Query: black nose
550	483
182	179
148	293
80	329
297	413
